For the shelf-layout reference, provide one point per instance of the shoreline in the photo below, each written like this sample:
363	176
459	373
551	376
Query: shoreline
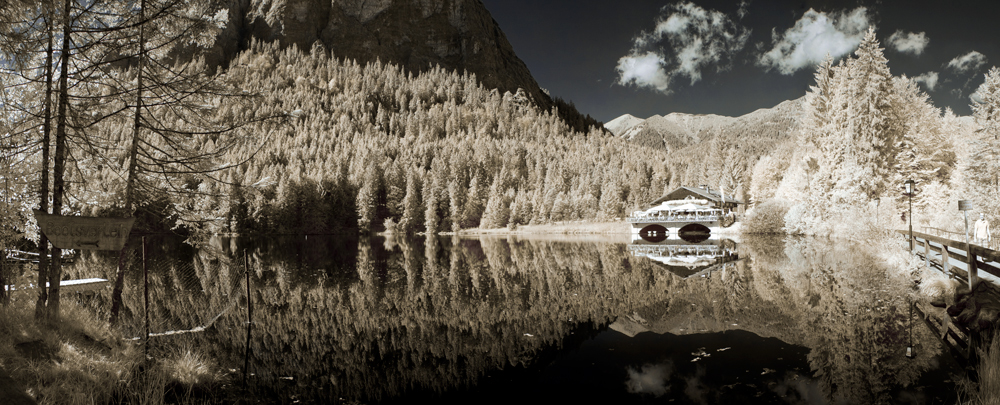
558	228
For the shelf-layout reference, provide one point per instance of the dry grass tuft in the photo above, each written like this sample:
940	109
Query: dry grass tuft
987	392
189	368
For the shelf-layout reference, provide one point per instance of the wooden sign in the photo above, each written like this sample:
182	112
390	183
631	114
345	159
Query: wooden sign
84	233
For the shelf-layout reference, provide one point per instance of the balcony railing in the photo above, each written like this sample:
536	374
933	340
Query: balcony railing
667	217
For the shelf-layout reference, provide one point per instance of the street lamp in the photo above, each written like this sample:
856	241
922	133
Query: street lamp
909	193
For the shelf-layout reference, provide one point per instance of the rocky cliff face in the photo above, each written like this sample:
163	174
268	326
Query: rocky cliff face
415	34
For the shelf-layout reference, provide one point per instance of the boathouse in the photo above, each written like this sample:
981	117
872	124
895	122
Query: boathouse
686	210
726	203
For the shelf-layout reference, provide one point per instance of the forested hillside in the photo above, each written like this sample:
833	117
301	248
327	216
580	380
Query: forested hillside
863	132
366	145
710	149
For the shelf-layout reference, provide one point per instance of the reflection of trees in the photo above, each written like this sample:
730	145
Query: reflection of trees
855	307
379	323
353	319
839	300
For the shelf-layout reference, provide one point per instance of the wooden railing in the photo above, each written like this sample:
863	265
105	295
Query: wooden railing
974	256
654	218
959	236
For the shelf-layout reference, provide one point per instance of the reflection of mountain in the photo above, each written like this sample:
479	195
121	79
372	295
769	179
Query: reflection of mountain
357	319
685	258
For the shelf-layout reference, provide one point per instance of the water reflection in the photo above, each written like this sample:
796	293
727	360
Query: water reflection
686	257
449	319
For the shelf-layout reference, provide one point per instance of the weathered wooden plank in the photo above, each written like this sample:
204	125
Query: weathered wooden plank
945	259
927	252
86	284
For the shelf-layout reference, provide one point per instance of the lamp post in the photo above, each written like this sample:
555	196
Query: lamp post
909	193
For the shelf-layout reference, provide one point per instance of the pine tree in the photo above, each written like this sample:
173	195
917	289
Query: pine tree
411	205
431	205
983	172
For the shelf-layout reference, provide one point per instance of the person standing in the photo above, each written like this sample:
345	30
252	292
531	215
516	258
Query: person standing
982	230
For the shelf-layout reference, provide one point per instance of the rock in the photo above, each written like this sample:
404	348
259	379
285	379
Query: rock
415	34
978	310
36	350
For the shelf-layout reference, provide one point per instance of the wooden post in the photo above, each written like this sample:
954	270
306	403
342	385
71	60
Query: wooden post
927	253
973	271
945	259
246	357
145	294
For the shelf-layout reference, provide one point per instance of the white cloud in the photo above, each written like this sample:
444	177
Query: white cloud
967	63
813	37
699	39
908	42
644	70
929	80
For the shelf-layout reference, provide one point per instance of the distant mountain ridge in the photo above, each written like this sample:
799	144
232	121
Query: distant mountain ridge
676	131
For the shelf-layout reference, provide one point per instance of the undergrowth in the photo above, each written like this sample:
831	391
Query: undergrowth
82	360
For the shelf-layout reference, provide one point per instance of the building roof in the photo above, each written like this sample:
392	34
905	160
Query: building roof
706	193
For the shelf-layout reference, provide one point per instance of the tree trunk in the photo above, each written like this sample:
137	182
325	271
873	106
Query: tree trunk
43	243
58	182
116	293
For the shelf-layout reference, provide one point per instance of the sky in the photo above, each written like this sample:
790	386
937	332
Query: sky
645	57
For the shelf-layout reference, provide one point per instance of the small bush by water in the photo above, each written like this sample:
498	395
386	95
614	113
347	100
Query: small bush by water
767	218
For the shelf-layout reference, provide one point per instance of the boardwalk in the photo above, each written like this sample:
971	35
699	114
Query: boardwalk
956	258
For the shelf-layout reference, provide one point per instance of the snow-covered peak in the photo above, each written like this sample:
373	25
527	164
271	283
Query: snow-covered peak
620	125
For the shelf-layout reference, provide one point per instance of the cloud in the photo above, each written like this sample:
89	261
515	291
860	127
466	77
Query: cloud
813	37
742	11
651	380
908	42
644	70
969	62
698	39
929	79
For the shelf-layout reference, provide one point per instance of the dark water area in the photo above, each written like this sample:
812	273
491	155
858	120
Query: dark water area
532	320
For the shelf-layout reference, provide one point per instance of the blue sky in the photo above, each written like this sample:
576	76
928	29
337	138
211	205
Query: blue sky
646	57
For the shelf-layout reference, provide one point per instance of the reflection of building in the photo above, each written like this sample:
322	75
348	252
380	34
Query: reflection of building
686	258
685	210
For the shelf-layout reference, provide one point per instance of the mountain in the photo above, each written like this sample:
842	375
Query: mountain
621	124
416	35
679	130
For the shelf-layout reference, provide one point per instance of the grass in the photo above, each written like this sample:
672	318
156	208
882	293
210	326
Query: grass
81	360
987	392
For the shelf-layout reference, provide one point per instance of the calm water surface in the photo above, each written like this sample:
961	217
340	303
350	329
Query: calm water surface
532	320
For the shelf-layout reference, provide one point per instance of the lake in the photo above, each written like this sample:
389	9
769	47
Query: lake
532	320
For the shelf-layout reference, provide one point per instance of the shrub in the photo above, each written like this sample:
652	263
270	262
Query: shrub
767	218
